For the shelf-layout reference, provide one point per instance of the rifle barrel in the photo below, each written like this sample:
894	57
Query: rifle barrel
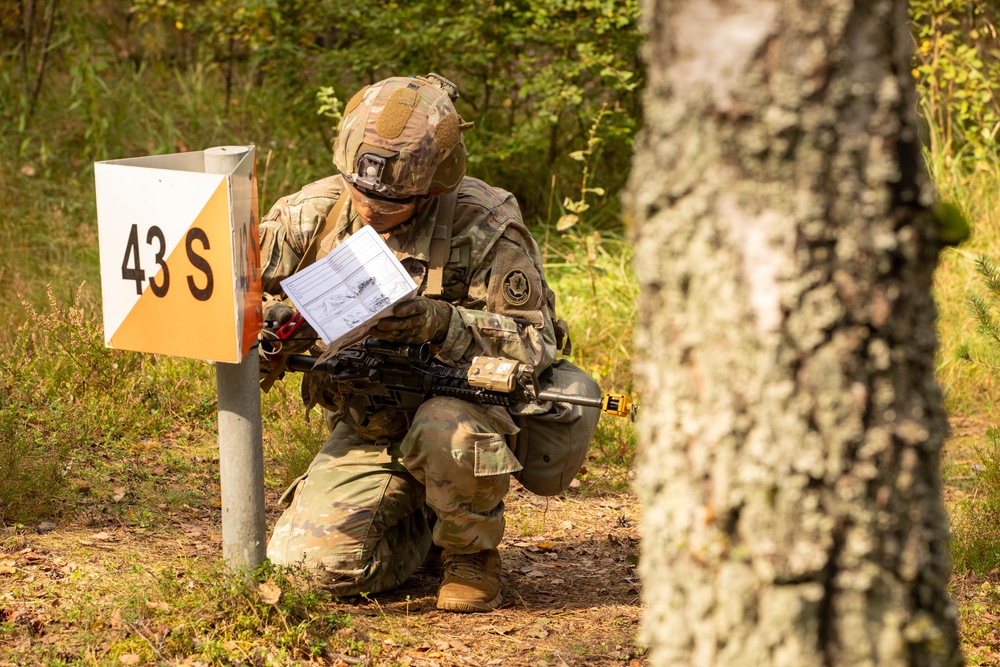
559	397
300	363
619	405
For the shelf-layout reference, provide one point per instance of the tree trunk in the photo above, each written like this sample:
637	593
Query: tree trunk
791	425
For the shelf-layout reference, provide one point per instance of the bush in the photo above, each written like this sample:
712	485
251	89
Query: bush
957	70
155	76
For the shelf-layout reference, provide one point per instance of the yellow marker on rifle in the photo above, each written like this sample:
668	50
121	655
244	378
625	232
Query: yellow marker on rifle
619	405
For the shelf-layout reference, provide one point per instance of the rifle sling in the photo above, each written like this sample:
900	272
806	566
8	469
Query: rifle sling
440	244
326	227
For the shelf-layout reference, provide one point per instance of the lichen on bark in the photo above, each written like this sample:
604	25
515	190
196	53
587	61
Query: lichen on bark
792	425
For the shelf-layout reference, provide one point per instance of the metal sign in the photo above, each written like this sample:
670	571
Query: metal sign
180	260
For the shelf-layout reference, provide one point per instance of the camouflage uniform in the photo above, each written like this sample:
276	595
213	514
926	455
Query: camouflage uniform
388	481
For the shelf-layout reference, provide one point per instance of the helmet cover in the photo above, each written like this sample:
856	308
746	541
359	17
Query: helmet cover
402	137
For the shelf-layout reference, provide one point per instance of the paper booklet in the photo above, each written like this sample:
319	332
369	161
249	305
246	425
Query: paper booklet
346	292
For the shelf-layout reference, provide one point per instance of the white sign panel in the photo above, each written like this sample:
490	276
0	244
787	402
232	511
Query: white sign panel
180	261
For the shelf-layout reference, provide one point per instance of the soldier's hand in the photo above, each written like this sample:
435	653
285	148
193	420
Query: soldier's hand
419	320
276	314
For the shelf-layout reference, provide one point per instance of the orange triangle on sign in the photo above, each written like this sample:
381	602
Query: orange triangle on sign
196	316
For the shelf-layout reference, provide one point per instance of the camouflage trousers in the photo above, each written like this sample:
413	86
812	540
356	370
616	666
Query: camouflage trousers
365	513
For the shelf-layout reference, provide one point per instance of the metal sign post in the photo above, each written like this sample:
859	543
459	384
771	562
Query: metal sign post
180	276
241	451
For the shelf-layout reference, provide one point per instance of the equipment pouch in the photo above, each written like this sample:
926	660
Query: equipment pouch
552	445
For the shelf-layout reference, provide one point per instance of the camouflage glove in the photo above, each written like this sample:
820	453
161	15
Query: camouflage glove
419	320
277	314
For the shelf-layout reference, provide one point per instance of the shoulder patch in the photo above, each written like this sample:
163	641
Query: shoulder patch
516	288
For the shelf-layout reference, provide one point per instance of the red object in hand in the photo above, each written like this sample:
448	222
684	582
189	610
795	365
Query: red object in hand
286	330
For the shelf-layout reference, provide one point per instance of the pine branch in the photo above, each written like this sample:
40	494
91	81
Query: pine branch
983	312
991	275
988	362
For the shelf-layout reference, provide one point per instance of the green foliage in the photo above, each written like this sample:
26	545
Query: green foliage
531	74
952	225
975	521
957	71
578	222
956	68
985	312
66	400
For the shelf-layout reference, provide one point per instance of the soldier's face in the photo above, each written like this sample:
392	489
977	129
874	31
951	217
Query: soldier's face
381	214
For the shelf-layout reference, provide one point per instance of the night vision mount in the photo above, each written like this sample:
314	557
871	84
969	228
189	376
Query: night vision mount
369	175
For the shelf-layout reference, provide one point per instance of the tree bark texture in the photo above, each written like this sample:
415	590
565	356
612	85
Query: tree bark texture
791	425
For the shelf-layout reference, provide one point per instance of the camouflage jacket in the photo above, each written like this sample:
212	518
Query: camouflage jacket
493	279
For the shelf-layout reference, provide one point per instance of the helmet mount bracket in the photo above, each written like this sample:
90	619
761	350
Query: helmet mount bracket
369	174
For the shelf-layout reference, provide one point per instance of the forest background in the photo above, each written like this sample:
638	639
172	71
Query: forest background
553	88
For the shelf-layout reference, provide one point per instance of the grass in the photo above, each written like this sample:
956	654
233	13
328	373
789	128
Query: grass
976	513
80	421
971	457
602	315
184	606
968	390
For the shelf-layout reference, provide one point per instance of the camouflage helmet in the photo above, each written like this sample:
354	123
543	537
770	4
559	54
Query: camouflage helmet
402	137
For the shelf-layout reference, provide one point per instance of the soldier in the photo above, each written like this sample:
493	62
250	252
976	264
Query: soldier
389	483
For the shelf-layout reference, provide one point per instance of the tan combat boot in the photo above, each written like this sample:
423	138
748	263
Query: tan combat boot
471	582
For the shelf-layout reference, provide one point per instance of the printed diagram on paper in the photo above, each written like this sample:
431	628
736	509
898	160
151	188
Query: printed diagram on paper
347	291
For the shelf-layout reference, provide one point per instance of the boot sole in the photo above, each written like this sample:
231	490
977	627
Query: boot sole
468	606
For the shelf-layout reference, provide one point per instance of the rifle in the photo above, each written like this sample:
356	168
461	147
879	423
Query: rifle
404	375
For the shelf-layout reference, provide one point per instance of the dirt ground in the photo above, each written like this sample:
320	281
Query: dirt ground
571	595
